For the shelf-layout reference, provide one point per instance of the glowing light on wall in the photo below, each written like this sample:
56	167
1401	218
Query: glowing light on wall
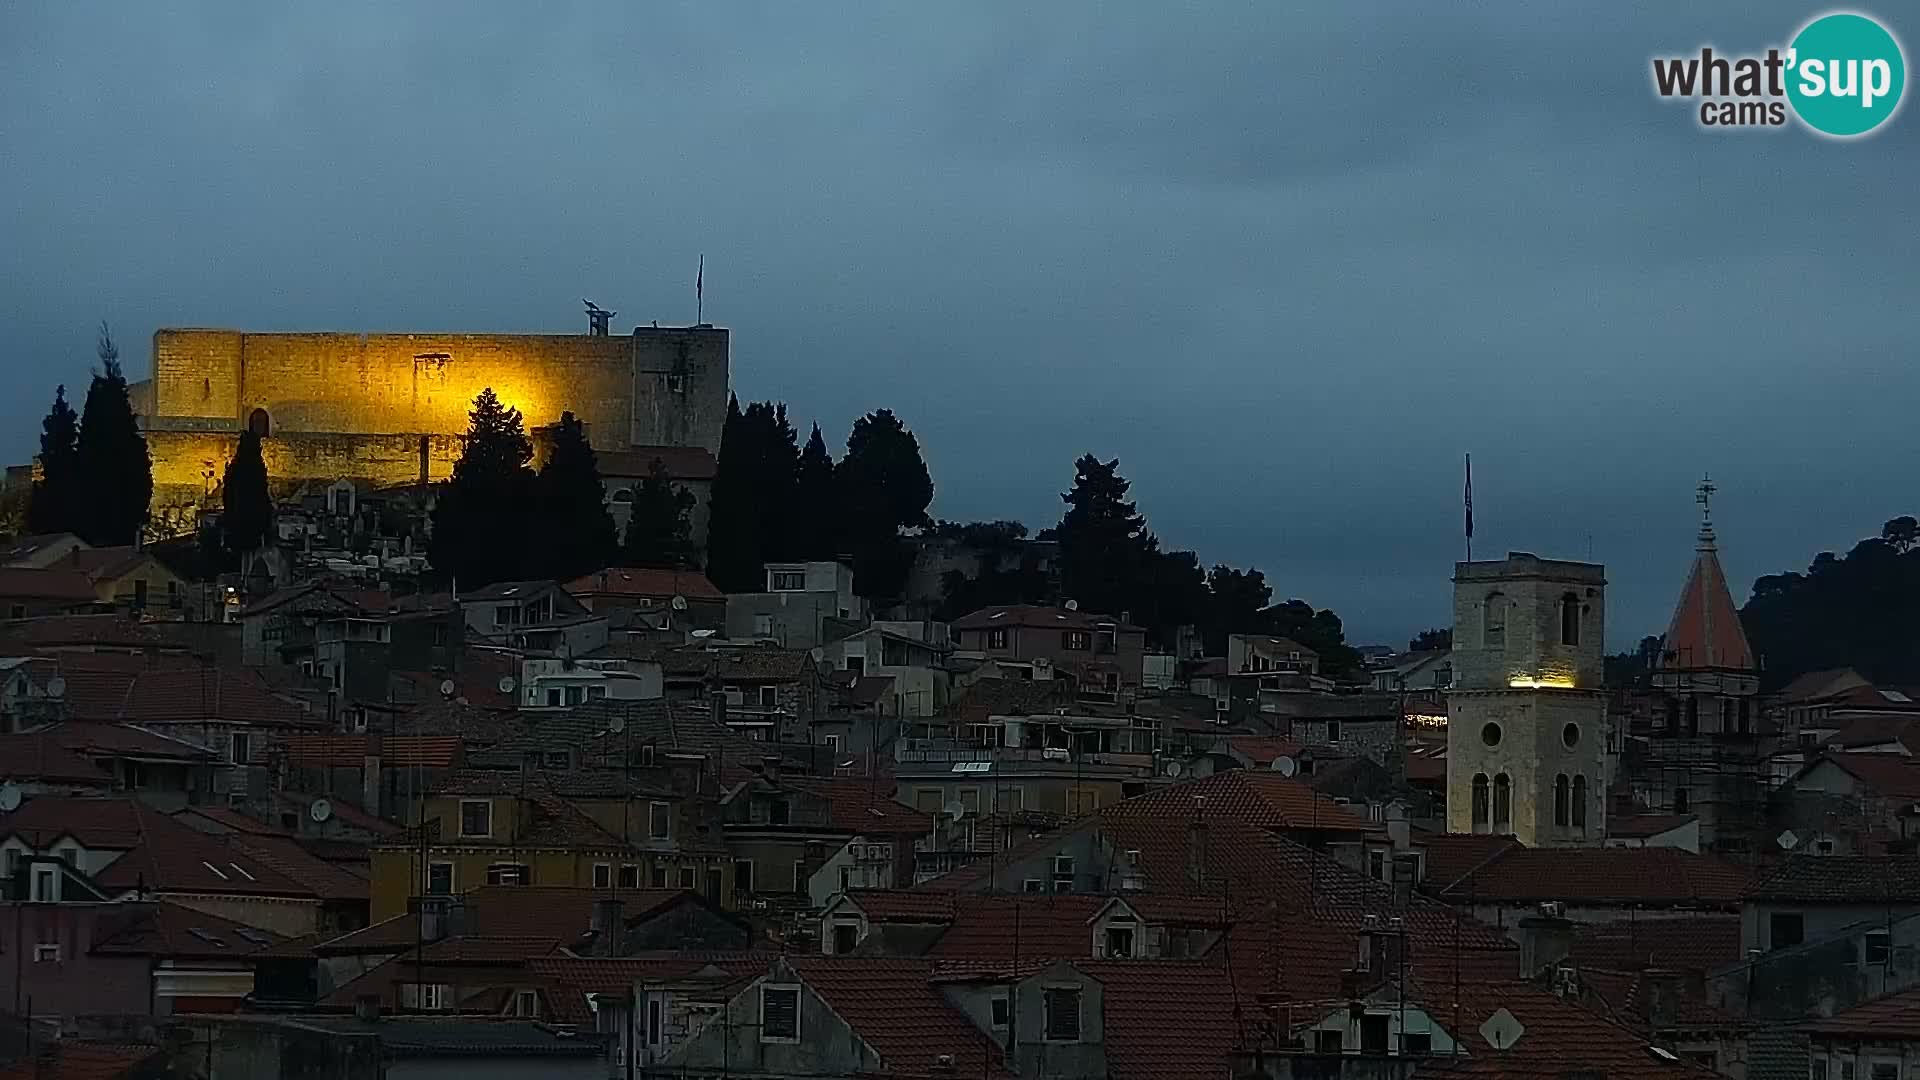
1551	682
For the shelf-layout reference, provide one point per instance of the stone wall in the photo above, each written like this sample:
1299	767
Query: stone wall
181	458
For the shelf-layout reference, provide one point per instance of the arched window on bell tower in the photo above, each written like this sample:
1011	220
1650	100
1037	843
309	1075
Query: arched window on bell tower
1502	804
1493	621
1580	802
1561	790
1481	815
1569	620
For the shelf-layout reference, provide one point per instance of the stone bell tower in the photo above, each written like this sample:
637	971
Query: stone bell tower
1526	718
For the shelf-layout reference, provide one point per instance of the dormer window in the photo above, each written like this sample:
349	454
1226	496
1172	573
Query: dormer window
1119	943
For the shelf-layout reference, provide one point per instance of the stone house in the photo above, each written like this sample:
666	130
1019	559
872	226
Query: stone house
684	598
806	604
921	686
1105	653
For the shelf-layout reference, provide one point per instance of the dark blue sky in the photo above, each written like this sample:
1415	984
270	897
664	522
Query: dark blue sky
1288	264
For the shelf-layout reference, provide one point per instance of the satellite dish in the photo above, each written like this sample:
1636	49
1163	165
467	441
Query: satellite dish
1173	770
954	810
1284	765
1787	840
446	687
617	723
1502	1030
679	603
320	810
9	798
506	684
56	687
1073	605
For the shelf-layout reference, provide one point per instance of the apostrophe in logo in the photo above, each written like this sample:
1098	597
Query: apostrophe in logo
1846	75
1843	76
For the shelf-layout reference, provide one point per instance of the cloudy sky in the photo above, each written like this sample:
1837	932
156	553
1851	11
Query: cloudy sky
1289	264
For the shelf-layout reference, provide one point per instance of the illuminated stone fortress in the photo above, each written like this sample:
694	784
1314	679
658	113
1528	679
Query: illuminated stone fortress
390	408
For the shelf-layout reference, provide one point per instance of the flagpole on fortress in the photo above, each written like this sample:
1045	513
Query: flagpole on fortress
699	290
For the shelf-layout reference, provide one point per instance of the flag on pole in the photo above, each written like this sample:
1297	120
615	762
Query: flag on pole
1469	499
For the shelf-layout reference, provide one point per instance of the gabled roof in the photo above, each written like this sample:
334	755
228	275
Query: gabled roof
352	751
1897	734
158	853
1818	684
104	740
1892	776
863	807
509	590
1046	618
639	582
1705	631
1839	879
60	583
1560	1038
893	1006
74	1059
36	756
167	930
1259	797
1893	1018
1651	877
25	547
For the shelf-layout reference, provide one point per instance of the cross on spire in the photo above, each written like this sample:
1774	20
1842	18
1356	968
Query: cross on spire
1705	499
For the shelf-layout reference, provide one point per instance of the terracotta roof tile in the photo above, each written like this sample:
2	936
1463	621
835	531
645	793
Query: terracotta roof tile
1167	1020
1705	631
1559	1036
1002	927
893	1006
58	582
1452	856
39	757
122	740
1891	776
352	751
1839	879
1895	1017
638	583
1250	796
168	930
158	853
1651	877
1691	943
863	807
71	1060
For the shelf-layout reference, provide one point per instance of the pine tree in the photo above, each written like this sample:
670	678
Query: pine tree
55	505
884	486
1104	542
660	527
733	543
575	533
778	472
816	510
246	512
111	461
482	521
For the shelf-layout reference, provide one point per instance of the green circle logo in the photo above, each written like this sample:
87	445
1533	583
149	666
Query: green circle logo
1845	75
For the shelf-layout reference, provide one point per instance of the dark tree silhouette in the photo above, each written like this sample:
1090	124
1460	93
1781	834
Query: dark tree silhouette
883	486
574	532
111	462
246	513
815	519
660	525
481	521
1104	542
1237	598
1852	611
753	496
56	494
1439	637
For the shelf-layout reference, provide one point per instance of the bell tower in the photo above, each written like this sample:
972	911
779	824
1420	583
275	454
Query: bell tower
1526	718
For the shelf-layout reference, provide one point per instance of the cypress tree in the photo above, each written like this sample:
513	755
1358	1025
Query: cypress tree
54	507
733	547
883	486
816	503
660	525
1104	543
246	512
111	462
482	519
576	534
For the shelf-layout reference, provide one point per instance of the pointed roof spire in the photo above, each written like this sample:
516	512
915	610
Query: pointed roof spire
1706	632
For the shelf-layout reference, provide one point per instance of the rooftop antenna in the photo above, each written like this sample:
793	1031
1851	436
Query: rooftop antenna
597	319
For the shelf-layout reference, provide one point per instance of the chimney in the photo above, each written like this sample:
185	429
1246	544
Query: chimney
1545	940
608	921
366	1008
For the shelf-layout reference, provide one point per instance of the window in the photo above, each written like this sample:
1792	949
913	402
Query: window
440	879
832	742
763	626
1785	929
1490	734
602	875
556	759
1502	803
659	876
1033	885
553	696
1062	1004
996	639
239	748
508	874
1416	1044
1374	1030
1878	947
1570	736
1377	865
1001	1011
1580	802
659	820
476	817
716	881
69	854
1481	815
629	876
742	877
1569	620
686	878
1562	792
1333	731
140	592
857	665
1681	801
769	697
779	1014
526	1003
789	581
13	862
1010	800
656	1021
1884	1070
46	954
46	885
1076	639
1693	716
1328	1042
17	611
846	936
503	615
1493	622
1119	941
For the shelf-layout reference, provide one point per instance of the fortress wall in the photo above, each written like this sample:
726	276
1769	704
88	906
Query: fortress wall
680	386
380	384
181	458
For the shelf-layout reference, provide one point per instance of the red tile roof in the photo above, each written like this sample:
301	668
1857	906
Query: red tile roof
903	905
1839	879
1002	927
1705	631
1692	943
59	583
1895	1017
1650	877
71	1060
158	853
638	582
1452	856
94	739
1251	796
1899	731
1890	775
1559	1037
866	807
1049	618
1646	826
328	881
39	757
1262	750
893	1006
169	931
165	688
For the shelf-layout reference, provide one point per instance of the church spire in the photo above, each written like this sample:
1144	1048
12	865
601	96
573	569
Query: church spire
1706	632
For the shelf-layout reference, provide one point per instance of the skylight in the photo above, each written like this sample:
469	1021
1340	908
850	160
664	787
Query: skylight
217	872
1896	697
254	936
238	869
207	936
